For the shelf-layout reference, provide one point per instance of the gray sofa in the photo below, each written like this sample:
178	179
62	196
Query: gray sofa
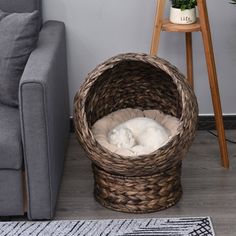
33	137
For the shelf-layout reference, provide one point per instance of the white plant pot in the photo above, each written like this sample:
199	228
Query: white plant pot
184	17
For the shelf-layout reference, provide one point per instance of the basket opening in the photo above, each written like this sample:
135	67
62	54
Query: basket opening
132	84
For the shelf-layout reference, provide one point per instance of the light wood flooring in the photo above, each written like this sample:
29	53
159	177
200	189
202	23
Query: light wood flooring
208	189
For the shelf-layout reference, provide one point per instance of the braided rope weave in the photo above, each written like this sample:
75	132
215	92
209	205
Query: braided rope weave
145	82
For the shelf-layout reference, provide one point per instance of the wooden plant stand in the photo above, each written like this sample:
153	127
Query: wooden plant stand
202	25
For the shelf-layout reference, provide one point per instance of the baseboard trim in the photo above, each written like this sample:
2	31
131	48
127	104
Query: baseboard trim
208	122
204	122
72	127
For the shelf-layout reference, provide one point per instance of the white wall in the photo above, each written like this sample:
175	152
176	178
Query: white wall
99	29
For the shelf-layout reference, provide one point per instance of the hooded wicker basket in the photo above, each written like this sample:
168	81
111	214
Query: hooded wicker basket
144	183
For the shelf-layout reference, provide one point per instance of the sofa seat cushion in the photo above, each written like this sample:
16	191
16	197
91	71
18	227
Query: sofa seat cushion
11	155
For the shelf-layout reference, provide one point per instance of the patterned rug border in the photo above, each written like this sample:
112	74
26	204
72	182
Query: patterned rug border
168	226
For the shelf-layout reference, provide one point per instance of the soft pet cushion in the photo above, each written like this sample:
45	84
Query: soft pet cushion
132	132
18	37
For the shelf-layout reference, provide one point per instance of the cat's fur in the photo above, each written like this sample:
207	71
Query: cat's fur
140	135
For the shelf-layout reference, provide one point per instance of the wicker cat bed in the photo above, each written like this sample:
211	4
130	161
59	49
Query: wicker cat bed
144	183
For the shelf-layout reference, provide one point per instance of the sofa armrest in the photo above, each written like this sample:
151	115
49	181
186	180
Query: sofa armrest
44	110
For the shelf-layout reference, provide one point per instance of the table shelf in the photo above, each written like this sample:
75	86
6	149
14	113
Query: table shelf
171	27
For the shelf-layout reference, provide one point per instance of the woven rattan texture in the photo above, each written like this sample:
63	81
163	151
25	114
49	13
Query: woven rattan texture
136	81
138	194
143	183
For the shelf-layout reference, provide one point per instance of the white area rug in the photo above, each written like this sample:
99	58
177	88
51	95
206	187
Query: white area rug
195	226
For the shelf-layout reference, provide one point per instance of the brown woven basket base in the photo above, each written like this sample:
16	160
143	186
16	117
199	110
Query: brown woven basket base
138	194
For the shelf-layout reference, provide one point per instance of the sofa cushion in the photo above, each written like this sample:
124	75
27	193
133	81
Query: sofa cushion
20	5
18	37
10	138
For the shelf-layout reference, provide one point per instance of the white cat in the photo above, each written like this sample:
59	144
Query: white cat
140	135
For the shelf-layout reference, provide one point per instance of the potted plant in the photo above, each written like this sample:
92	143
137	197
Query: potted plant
183	11
233	2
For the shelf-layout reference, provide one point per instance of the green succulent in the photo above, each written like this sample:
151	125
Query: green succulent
185	4
233	2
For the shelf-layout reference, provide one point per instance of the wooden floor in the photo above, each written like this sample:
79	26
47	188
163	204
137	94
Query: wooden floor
209	190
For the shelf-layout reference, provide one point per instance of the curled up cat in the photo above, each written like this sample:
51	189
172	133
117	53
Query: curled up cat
140	135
